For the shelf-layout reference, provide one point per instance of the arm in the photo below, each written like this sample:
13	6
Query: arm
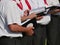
54	11
27	15
17	28
14	20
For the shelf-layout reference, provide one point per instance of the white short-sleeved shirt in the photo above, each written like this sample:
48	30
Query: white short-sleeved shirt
9	14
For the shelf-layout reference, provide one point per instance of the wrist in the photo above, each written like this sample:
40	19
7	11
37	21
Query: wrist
25	30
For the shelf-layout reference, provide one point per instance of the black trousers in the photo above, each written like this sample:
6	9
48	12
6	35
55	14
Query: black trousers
27	40
58	37
40	34
38	38
53	31
10	41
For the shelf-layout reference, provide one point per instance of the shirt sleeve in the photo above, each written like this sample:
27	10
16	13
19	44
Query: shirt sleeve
12	13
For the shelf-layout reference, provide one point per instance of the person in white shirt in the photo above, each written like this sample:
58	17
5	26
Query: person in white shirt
32	40
10	24
40	29
53	27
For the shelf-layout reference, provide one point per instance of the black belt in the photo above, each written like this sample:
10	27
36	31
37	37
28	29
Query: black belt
11	37
55	15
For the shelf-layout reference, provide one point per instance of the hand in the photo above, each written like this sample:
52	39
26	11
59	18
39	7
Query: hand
39	17
32	15
23	18
54	11
26	12
25	15
57	10
29	31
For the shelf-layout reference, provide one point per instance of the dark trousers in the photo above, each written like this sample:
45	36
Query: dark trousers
53	31
27	40
10	41
39	36
58	37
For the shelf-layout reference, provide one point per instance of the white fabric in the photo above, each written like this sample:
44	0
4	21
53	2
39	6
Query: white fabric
52	2
9	14
45	20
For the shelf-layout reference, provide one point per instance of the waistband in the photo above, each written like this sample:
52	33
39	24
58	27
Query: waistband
56	15
11	37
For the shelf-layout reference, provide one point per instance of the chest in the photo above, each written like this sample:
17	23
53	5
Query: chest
29	4
52	2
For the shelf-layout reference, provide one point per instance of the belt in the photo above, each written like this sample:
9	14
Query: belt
11	37
55	15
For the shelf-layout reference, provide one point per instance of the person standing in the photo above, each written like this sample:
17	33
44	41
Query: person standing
52	27
10	24
39	30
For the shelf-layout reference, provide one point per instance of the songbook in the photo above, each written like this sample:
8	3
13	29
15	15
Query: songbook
37	11
52	9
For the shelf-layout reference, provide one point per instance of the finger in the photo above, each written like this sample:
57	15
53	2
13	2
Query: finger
33	32
33	28
41	17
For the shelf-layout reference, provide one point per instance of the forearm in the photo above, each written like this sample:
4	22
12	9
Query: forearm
54	11
17	28
24	18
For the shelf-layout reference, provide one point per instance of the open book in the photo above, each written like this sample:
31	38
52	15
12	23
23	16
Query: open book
52	9
38	10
